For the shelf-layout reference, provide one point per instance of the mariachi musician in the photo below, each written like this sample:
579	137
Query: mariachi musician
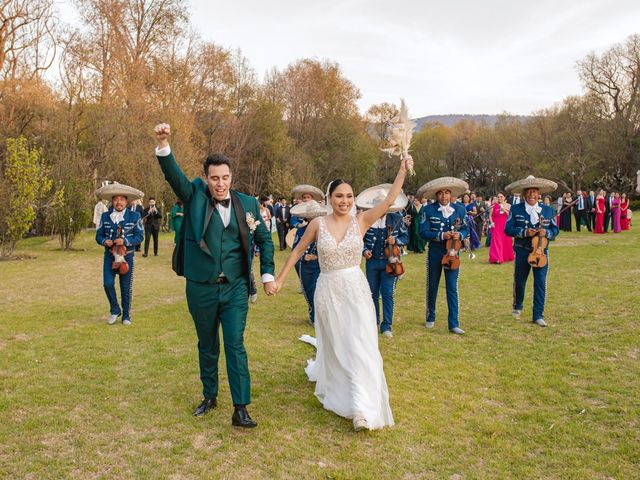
120	231
308	265
381	251
444	225
301	194
533	225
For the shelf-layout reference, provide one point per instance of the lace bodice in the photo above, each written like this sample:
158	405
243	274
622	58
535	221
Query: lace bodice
337	256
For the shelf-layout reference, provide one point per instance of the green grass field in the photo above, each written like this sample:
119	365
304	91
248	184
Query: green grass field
81	399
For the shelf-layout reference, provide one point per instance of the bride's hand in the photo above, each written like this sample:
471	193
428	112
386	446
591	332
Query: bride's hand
406	164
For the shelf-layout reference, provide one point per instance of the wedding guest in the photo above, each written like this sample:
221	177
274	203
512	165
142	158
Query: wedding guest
473	242
591	210
565	213
547	200
600	212
283	222
265	212
607	210
615	212
501	249
152	220
624	212
580	211
177	215
479	219
416	242
136	206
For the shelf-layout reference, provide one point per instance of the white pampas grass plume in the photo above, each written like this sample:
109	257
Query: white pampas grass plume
399	131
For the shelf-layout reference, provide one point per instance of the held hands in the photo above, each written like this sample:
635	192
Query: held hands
108	243
119	241
391	240
271	288
310	257
163	132
448	235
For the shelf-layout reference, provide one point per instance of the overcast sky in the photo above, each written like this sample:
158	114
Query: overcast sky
460	56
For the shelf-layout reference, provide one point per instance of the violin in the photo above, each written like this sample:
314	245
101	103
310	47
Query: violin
119	251
451	259
539	242
394	267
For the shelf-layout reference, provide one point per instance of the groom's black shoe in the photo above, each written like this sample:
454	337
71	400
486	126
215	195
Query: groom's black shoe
206	405
241	418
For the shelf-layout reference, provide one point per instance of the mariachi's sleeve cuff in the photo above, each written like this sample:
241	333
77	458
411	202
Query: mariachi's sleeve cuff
267	277
163	152
126	242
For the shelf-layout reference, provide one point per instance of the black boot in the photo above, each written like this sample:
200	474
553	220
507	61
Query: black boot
241	418
206	405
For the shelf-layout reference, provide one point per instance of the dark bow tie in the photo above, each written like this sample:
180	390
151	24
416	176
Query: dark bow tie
224	203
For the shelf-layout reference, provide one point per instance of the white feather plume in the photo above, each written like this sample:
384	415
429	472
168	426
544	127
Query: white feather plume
399	131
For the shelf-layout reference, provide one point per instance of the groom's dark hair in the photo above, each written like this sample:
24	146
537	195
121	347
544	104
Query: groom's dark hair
216	159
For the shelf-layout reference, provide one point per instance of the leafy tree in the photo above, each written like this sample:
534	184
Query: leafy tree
25	183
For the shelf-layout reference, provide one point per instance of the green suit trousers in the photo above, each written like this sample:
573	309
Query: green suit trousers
212	305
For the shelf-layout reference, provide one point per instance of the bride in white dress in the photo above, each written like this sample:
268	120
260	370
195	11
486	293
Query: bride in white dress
347	370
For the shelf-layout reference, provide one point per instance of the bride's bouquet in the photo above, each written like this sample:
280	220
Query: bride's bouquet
397	134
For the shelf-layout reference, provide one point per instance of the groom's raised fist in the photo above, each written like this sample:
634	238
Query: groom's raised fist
163	132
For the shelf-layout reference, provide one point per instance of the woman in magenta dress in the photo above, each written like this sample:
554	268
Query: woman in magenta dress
615	212
624	212
501	249
599	228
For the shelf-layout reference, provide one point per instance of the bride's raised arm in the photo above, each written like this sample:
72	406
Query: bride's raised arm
369	217
309	236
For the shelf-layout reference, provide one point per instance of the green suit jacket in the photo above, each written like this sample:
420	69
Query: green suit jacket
193	257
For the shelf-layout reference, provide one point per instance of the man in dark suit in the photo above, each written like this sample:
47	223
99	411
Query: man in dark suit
152	221
215	253
608	199
580	211
591	210
283	221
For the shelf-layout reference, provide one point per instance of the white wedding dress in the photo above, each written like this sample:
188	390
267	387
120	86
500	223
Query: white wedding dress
348	366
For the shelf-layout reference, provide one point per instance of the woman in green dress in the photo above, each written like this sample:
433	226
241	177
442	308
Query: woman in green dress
177	214
416	242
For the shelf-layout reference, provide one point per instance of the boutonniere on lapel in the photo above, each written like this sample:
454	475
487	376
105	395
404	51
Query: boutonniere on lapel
251	222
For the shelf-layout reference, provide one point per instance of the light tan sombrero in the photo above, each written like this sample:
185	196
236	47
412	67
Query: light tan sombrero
310	209
429	189
300	190
542	184
372	196
107	192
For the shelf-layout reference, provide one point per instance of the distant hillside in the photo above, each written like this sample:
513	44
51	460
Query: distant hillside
450	120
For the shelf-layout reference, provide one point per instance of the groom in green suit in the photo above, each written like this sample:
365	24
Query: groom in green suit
215	254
